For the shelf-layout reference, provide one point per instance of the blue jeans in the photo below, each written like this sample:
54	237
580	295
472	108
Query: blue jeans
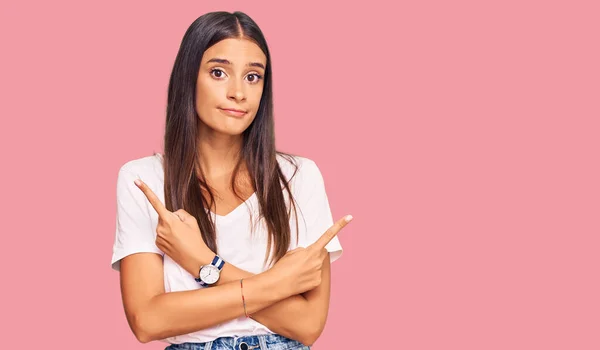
251	342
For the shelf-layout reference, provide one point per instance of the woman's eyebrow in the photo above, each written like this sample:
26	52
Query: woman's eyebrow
224	61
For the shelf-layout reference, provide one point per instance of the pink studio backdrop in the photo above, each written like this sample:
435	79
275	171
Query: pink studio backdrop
463	136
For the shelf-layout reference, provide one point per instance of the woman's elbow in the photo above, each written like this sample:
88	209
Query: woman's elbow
311	335
142	337
142	329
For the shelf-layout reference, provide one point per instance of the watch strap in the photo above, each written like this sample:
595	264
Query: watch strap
218	262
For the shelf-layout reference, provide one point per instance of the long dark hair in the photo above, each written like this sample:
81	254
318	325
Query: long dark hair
183	175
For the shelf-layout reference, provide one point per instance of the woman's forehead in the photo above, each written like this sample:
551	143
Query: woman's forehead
235	52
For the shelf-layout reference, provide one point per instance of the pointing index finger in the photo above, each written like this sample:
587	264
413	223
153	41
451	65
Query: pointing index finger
152	198
331	232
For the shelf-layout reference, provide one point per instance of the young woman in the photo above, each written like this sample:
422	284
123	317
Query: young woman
238	256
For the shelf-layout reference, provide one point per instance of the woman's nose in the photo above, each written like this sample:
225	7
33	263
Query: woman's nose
236	90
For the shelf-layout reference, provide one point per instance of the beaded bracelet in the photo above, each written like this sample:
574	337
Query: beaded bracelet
243	299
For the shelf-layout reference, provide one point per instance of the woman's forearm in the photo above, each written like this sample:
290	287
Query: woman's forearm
177	313
290	317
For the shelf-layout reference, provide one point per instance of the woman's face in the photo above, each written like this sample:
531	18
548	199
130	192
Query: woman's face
230	77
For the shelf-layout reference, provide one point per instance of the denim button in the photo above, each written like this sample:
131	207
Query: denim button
243	346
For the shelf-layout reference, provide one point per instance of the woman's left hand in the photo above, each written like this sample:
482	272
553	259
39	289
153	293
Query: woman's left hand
178	234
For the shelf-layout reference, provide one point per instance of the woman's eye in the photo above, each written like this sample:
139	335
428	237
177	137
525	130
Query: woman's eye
252	78
217	73
256	78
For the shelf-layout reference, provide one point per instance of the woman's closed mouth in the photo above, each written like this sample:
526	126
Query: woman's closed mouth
233	112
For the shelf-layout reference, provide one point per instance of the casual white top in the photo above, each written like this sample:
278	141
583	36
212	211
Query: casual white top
137	220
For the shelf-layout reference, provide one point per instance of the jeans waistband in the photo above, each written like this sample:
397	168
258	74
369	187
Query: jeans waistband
250	342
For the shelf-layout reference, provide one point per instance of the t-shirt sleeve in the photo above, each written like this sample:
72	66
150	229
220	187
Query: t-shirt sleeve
315	209
134	229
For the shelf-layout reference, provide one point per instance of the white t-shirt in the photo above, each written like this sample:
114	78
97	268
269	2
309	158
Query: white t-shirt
137	220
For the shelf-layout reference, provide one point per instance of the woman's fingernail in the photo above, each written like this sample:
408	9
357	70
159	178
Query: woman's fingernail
137	182
348	218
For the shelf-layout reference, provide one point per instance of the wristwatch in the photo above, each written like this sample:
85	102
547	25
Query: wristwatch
209	274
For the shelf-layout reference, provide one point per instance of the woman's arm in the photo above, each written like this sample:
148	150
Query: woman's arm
301	317
153	314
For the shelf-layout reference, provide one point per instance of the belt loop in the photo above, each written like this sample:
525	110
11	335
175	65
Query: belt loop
262	341
208	346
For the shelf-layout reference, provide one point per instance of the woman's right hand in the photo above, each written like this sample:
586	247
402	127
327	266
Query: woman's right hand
178	234
300	269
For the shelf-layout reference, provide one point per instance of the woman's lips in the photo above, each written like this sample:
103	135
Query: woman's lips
233	113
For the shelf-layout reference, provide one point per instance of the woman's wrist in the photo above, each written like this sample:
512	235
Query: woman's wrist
261	291
277	283
199	260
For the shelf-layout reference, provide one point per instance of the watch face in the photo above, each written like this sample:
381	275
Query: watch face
209	274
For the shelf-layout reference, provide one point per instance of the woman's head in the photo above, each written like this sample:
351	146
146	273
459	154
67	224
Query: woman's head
211	72
224	63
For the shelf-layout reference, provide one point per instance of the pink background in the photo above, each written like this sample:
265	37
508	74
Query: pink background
462	135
